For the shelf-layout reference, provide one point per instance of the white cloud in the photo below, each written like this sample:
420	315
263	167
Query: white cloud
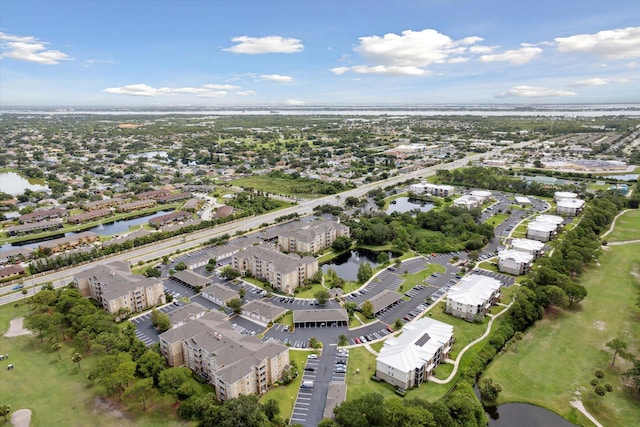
27	48
141	89
412	48
621	43
92	62
293	102
269	44
482	49
245	93
591	82
277	78
390	70
515	56
457	60
525	91
340	70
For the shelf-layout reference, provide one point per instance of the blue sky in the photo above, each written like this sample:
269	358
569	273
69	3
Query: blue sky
308	52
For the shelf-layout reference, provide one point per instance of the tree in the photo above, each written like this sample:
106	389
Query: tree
618	346
271	409
56	346
181	266
152	272
517	337
634	374
229	273
364	272
242	293
367	309
322	296
245	410
489	390
341	244
397	324
236	305
160	320
141	390
171	379
76	358
343	340
5	410
151	364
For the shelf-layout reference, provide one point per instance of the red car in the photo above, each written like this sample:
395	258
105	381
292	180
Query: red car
357	340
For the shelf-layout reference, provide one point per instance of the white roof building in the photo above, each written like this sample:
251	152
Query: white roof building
569	207
541	231
468	202
515	262
521	200
559	195
472	296
409	359
551	219
533	247
483	194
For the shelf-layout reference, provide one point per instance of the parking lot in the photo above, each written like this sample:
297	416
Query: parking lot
144	330
331	366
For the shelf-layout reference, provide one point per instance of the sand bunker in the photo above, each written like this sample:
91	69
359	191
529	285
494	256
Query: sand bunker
16	329
21	418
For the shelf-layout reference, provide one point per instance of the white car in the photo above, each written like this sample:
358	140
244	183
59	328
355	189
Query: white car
312	356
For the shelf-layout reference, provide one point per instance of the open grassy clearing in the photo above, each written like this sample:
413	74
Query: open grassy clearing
496	219
57	392
443	371
411	280
486	265
286	395
558	357
627	227
287	187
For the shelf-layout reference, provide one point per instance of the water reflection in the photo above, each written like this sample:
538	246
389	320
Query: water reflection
524	415
405	204
346	265
14	184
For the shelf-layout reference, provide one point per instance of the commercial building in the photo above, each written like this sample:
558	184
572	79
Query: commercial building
472	297
409	359
235	364
118	290
283	271
515	262
310	237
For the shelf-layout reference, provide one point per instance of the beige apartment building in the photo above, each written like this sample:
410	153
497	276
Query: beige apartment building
235	364
310	237
118	290
283	271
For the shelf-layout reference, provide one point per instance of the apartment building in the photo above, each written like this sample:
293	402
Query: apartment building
433	189
569	207
283	271
515	262
235	364
409	359
118	290
533	247
311	237
472	296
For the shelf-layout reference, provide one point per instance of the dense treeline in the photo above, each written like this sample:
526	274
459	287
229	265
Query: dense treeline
448	229
499	180
255	203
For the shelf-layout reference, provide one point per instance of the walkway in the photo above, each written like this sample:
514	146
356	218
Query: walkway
468	346
580	407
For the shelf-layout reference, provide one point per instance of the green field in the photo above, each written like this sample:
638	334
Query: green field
558	357
496	219
287	187
57	392
627	227
463	332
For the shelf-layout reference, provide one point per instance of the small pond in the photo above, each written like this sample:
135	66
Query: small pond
346	265
405	204
524	415
14	184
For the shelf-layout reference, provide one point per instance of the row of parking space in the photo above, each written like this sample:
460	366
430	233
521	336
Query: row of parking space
415	312
144	330
484	256
414	291
412	266
292	301
506	280
372	336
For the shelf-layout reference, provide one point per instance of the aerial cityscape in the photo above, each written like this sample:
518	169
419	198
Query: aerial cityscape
249	213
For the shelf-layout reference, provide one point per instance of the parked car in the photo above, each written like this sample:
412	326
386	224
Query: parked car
16	287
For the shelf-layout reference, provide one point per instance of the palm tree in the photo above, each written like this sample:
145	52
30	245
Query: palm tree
56	346
76	358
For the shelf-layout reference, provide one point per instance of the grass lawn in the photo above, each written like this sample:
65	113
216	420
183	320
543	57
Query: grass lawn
557	358
285	395
463	332
486	265
286	187
496	219
627	227
359	384
376	346
287	319
443	371
411	280
57	392
308	293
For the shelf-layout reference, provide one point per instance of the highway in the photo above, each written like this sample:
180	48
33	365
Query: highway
189	241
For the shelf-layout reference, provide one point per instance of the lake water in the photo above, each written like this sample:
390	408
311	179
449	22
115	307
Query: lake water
108	229
14	184
346	265
405	204
524	415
